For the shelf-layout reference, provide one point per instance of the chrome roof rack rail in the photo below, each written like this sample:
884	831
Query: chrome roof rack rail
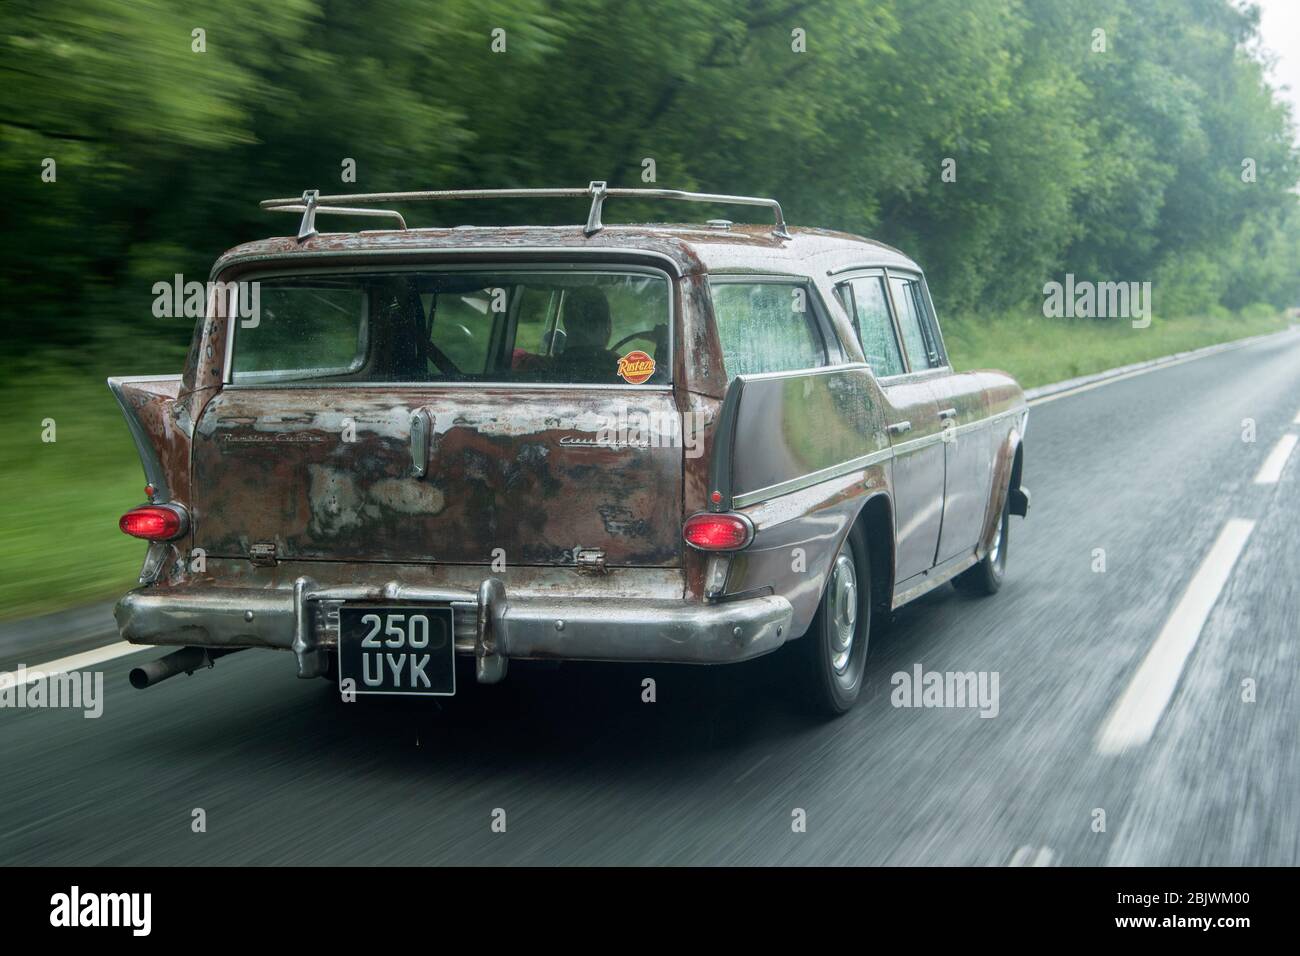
312	202
309	205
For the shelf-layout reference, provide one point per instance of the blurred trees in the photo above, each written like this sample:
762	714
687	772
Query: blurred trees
1117	164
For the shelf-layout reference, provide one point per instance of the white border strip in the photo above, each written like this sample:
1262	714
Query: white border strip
74	662
1271	471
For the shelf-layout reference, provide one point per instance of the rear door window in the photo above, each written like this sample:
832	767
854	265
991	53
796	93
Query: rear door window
767	326
867	304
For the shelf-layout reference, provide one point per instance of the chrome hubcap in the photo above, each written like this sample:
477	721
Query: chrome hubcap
996	551
844	611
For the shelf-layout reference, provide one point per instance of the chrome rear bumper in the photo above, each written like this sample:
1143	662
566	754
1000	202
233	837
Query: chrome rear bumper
489	624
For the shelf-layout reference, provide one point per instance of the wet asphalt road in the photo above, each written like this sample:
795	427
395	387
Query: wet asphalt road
1148	468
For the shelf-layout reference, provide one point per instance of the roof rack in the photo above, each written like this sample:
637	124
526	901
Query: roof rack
312	202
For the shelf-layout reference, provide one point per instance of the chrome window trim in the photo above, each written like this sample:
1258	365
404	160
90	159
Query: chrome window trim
733	276
845	270
921	375
429	385
934	320
251	378
565	268
222	265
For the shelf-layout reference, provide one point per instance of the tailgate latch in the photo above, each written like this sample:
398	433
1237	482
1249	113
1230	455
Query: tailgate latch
589	560
262	554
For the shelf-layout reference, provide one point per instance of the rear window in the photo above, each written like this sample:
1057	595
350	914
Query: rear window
563	326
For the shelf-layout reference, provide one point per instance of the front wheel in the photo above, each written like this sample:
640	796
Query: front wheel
834	650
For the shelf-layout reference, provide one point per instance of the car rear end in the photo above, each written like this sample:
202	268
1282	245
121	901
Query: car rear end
381	464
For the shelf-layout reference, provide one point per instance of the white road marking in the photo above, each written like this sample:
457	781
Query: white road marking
73	662
1133	719
1296	420
1025	856
1271	470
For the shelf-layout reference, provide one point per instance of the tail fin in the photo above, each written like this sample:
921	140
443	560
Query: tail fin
161	431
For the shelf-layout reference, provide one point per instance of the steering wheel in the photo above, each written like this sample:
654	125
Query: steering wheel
439	359
643	334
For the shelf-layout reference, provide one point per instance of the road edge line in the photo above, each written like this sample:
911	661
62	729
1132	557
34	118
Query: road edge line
73	662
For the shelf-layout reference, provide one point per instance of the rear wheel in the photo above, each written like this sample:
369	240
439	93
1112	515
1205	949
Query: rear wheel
834	650
986	577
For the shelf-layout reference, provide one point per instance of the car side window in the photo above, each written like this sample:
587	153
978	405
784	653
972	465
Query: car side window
868	306
767	327
922	349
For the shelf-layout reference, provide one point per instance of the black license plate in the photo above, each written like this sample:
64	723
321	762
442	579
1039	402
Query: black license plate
397	650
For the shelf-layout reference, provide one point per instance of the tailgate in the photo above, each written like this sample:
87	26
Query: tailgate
524	476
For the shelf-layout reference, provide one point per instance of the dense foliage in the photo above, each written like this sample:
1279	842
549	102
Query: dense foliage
1117	164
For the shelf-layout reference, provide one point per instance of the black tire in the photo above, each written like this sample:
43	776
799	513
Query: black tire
987	576
834	650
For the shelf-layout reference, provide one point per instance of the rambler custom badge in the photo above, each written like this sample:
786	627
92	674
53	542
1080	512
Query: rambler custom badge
636	367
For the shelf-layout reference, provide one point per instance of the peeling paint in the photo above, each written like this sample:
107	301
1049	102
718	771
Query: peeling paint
409	497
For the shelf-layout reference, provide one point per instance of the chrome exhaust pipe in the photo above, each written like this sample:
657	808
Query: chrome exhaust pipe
185	661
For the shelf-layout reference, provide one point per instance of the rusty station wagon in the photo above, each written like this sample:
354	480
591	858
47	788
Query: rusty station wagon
681	443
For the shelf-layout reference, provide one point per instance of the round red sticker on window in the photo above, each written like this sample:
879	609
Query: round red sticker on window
636	367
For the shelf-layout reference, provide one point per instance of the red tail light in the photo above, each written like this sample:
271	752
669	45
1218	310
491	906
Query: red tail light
717	532
153	522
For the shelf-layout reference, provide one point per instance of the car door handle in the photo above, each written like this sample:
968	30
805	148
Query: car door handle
900	428
948	413
421	437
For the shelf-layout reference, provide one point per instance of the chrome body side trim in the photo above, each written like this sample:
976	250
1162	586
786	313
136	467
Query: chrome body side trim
864	461
813	478
913	588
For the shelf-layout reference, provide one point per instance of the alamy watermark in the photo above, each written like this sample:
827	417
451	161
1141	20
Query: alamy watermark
951	689
76	908
1098	300
180	299
35	690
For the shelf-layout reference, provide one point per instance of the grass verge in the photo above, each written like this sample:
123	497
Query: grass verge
60	500
1039	351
